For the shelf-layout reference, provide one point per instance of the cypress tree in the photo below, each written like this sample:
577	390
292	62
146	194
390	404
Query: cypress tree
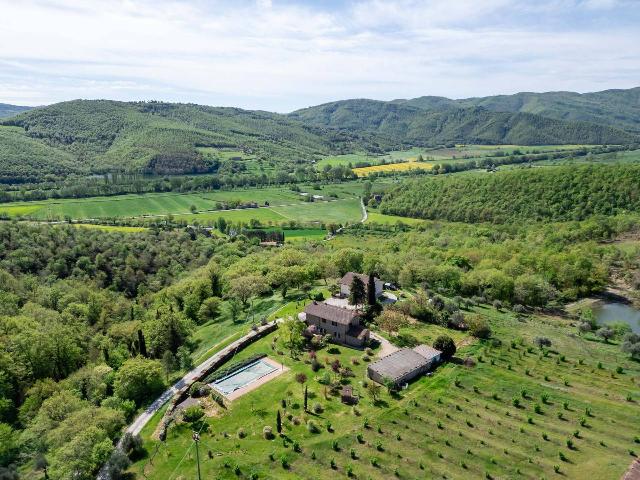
371	290
279	423
357	293
305	398
142	346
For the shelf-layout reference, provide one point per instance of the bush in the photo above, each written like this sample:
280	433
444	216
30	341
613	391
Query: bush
478	327
267	432
446	345
317	408
312	427
542	342
192	414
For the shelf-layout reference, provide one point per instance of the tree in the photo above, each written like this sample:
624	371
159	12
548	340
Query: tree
244	287
371	290
606	333
478	327
139	379
292	335
306	397
209	310
301	378
373	389
235	309
446	345
169	363
142	346
391	321
357	291
279	423
631	345
184	358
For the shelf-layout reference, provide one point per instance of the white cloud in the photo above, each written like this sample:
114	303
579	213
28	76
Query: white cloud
280	56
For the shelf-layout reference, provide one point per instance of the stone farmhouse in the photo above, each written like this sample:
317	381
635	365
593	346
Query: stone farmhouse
345	283
341	323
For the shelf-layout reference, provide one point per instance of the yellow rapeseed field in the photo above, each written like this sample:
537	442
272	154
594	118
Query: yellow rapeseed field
390	167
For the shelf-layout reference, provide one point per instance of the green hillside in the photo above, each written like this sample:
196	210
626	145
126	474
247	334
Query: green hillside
551	194
619	108
408	124
23	158
7	110
165	138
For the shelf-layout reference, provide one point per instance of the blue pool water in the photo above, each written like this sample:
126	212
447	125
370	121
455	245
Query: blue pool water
242	377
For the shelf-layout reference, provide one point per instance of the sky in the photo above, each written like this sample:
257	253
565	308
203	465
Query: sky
280	55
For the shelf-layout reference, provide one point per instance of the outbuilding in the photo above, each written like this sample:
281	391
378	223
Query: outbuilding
404	365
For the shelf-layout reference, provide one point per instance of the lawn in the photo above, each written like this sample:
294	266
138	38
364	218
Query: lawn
463	422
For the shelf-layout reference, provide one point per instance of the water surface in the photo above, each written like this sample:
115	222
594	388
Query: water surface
611	312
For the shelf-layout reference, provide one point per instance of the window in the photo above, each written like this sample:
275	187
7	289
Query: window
324	320
335	324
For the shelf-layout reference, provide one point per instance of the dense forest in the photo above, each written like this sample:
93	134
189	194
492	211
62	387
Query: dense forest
154	137
418	126
551	194
619	107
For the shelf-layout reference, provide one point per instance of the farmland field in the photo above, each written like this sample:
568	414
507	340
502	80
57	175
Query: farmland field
574	406
375	217
393	167
152	204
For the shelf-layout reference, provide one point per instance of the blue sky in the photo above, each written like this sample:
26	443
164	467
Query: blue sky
281	55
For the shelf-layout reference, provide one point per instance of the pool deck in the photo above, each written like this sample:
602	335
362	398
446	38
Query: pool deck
279	370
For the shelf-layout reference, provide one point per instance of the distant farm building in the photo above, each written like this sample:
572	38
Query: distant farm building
341	323
347	280
404	365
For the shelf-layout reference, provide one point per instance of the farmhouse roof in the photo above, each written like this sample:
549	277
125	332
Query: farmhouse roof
348	278
331	312
427	352
399	363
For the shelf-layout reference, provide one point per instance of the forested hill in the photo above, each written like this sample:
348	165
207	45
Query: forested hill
419	126
164	138
7	110
618	108
551	194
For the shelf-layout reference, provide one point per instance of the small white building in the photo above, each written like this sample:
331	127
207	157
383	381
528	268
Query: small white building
345	283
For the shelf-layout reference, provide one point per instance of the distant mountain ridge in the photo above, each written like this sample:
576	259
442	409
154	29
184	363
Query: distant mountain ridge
434	120
7	110
615	107
97	136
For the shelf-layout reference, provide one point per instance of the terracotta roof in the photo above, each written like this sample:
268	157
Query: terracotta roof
330	312
348	278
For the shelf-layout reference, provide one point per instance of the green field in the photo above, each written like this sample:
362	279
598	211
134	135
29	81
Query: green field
283	201
375	217
461	423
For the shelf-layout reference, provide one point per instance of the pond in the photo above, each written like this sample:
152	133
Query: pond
612	312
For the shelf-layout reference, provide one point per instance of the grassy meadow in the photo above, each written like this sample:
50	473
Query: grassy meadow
520	412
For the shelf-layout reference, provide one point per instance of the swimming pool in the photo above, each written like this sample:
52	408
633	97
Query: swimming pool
246	375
